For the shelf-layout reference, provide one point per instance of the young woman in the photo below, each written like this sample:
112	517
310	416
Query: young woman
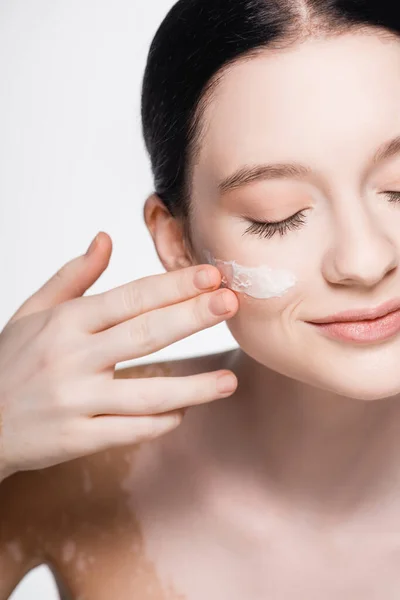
273	131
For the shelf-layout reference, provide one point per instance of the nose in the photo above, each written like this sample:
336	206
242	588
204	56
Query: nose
363	252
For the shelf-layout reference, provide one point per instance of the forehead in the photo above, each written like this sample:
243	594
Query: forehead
309	103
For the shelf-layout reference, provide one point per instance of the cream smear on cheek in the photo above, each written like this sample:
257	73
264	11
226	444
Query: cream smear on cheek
258	282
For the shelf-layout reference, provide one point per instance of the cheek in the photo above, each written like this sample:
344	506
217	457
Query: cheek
270	323
256	319
269	330
258	315
261	282
267	296
269	299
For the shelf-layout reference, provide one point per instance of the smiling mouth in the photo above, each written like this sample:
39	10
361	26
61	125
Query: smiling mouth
363	330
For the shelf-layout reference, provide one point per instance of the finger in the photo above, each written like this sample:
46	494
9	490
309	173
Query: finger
71	280
157	329
102	311
155	395
102	432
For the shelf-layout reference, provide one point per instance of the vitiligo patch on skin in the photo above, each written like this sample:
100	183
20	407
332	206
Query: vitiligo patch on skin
68	551
15	550
99	545
258	282
145	370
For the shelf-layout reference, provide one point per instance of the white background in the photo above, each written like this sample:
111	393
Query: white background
72	159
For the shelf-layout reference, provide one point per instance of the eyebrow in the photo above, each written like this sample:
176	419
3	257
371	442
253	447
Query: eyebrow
249	173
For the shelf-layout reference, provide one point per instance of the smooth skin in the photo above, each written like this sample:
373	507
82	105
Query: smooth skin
288	488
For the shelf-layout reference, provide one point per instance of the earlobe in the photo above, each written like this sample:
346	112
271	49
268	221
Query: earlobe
166	233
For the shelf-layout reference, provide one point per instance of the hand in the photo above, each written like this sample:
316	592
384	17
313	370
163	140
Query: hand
58	396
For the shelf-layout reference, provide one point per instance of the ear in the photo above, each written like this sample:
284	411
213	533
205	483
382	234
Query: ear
167	233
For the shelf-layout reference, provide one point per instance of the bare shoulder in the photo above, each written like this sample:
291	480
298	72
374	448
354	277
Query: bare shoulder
88	478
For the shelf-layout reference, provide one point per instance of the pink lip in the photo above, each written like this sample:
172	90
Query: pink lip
356	315
372	325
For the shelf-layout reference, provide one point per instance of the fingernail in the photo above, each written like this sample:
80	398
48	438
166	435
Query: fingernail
226	383
202	279
92	246
220	303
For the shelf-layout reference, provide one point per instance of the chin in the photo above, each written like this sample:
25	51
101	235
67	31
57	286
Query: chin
368	373
359	390
350	381
354	384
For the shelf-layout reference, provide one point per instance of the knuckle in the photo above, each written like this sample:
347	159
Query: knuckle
61	273
132	299
150	397
198	388
202	389
160	404
142	403
142	333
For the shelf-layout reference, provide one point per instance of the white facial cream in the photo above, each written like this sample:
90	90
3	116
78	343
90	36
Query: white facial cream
258	282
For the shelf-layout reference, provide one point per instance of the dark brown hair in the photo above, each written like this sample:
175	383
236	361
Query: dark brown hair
195	44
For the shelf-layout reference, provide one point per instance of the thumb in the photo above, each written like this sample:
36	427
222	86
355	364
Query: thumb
71	280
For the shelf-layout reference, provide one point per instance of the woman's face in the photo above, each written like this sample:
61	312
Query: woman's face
328	105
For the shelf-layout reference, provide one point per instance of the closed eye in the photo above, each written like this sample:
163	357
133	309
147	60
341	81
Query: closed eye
393	196
266	229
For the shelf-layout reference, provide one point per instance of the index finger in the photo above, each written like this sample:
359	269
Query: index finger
100	311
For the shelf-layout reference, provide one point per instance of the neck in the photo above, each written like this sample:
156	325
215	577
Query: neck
313	449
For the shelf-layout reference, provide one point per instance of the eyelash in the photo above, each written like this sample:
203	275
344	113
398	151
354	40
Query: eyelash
266	229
